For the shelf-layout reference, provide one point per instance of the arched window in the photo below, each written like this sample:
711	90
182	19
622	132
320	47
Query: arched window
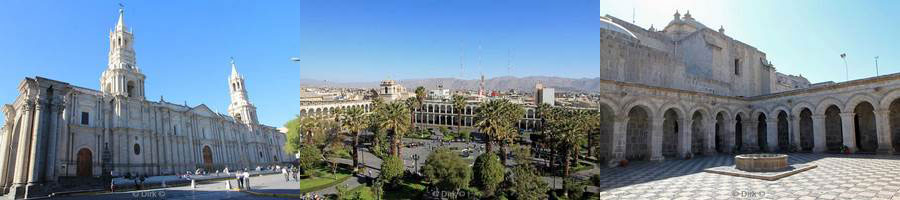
130	89
137	149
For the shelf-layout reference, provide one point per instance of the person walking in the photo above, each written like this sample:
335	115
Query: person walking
247	179
295	173
240	180
284	172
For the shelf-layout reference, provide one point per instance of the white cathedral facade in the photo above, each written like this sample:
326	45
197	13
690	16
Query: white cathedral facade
54	129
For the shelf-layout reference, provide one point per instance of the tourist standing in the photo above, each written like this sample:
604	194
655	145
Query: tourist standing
284	172
247	179
240	180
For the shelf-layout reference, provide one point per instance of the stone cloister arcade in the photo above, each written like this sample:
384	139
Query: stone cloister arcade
653	123
326	108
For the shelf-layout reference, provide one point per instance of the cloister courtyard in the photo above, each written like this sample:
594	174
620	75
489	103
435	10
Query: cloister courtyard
837	176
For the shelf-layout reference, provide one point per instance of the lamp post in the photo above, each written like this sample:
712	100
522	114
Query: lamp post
876	65
415	158
846	68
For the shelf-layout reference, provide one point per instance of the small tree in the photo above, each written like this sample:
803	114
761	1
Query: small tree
447	171
524	182
392	170
309	158
488	173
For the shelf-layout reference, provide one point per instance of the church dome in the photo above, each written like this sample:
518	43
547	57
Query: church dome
607	24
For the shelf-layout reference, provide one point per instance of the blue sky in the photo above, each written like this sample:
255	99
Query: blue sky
183	46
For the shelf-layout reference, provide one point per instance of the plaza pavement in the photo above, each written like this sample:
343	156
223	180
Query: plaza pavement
837	177
207	190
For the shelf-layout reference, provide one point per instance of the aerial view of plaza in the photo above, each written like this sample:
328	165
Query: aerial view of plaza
455	100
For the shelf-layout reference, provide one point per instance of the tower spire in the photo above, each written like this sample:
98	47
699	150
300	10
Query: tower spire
120	25
234	72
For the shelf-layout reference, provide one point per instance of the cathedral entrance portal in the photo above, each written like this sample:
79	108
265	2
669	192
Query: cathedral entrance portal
84	164
207	158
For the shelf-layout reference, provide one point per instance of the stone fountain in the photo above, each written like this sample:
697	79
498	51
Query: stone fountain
761	166
761	162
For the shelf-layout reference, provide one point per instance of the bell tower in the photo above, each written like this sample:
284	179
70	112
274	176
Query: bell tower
241	109
122	76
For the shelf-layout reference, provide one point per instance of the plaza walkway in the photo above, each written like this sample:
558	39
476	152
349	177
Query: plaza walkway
204	190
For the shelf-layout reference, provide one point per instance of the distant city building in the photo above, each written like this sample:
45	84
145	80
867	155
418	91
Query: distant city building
544	95
390	91
439	94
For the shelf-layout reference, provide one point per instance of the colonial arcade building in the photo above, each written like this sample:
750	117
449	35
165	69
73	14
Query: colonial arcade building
688	90
55	130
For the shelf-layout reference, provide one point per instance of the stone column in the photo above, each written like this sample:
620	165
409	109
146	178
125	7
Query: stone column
710	127
730	134
7	156
685	137
656	131
618	141
795	131
883	128
849	136
819	144
750	136
52	144
20	176
771	134
37	144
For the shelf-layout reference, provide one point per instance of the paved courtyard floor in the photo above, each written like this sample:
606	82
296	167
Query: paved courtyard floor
837	177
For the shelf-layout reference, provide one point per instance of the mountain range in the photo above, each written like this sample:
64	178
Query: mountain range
524	84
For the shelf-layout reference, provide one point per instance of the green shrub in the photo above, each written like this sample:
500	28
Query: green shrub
309	158
392	170
446	170
488	172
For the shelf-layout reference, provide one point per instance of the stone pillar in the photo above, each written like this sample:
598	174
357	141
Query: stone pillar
618	141
38	144
20	176
656	131
771	134
685	137
883	128
710	127
53	134
795	131
819	144
849	131
750	132
730	134
7	152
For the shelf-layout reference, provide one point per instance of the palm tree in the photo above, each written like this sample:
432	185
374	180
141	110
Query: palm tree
490	122
459	104
585	121
420	100
420	95
412	103
355	121
512	113
394	117
569	128
544	111
309	126
497	119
